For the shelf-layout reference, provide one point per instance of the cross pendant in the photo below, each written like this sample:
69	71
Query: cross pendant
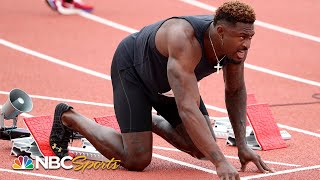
218	67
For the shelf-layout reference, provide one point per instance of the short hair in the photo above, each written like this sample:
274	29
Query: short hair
233	12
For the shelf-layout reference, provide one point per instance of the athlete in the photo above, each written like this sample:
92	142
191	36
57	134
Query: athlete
173	54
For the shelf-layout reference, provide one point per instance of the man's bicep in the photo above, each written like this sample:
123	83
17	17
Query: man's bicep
182	82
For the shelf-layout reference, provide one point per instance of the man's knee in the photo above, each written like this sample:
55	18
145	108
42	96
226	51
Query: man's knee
138	150
138	163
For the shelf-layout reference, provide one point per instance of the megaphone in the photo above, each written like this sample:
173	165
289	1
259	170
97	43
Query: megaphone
18	102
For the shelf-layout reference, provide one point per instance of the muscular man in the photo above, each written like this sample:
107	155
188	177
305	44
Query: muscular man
173	54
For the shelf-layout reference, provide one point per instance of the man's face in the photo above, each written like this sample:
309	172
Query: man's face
237	40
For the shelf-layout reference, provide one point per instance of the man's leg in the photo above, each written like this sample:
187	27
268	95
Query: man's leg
178	137
133	146
170	127
133	149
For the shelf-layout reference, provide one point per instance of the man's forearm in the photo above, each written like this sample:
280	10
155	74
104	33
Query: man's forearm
236	103
200	134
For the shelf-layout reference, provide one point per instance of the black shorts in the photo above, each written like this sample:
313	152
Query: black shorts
132	104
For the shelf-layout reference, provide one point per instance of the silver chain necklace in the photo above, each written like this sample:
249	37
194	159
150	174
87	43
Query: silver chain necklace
218	67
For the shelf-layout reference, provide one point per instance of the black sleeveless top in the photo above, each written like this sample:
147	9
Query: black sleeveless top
151	65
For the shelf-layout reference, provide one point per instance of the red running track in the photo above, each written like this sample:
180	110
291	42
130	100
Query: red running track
89	44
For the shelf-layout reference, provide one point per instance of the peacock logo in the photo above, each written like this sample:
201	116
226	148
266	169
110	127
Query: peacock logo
23	162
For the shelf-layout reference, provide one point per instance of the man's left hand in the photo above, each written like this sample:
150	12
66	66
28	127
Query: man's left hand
246	155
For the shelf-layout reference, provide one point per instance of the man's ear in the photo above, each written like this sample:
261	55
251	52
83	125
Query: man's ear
220	30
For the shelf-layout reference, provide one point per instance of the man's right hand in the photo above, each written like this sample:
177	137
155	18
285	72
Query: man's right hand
226	171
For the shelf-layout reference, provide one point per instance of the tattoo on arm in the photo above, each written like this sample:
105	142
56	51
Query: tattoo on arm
218	156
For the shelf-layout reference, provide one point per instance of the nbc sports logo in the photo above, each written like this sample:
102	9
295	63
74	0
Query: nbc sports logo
22	162
54	162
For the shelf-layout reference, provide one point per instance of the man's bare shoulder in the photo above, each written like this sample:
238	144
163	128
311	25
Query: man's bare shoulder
175	33
177	25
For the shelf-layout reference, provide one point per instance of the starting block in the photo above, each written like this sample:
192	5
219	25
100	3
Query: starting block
262	132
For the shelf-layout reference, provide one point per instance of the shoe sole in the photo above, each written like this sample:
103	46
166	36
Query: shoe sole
60	109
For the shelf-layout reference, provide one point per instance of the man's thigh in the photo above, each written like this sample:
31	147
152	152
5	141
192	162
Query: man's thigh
132	107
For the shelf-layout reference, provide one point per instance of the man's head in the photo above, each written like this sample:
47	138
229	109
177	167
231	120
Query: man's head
234	24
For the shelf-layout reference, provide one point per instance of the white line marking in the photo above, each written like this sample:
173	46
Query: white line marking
259	23
184	163
166	148
53	60
111	105
107	22
283	75
35	174
281	172
299	130
216	108
65	100
230	157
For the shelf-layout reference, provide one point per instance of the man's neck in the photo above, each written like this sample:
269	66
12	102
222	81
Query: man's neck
216	42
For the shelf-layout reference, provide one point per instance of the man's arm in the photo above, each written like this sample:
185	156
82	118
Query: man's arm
176	39
236	102
184	55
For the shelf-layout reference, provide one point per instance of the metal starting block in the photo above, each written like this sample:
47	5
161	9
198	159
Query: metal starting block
223	130
25	146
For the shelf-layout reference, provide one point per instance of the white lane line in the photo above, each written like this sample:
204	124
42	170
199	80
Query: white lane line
259	23
230	157
35	174
166	148
281	172
65	100
299	130
184	163
216	108
53	60
283	75
107	22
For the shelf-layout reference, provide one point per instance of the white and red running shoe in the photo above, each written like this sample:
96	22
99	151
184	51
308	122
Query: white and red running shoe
69	7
